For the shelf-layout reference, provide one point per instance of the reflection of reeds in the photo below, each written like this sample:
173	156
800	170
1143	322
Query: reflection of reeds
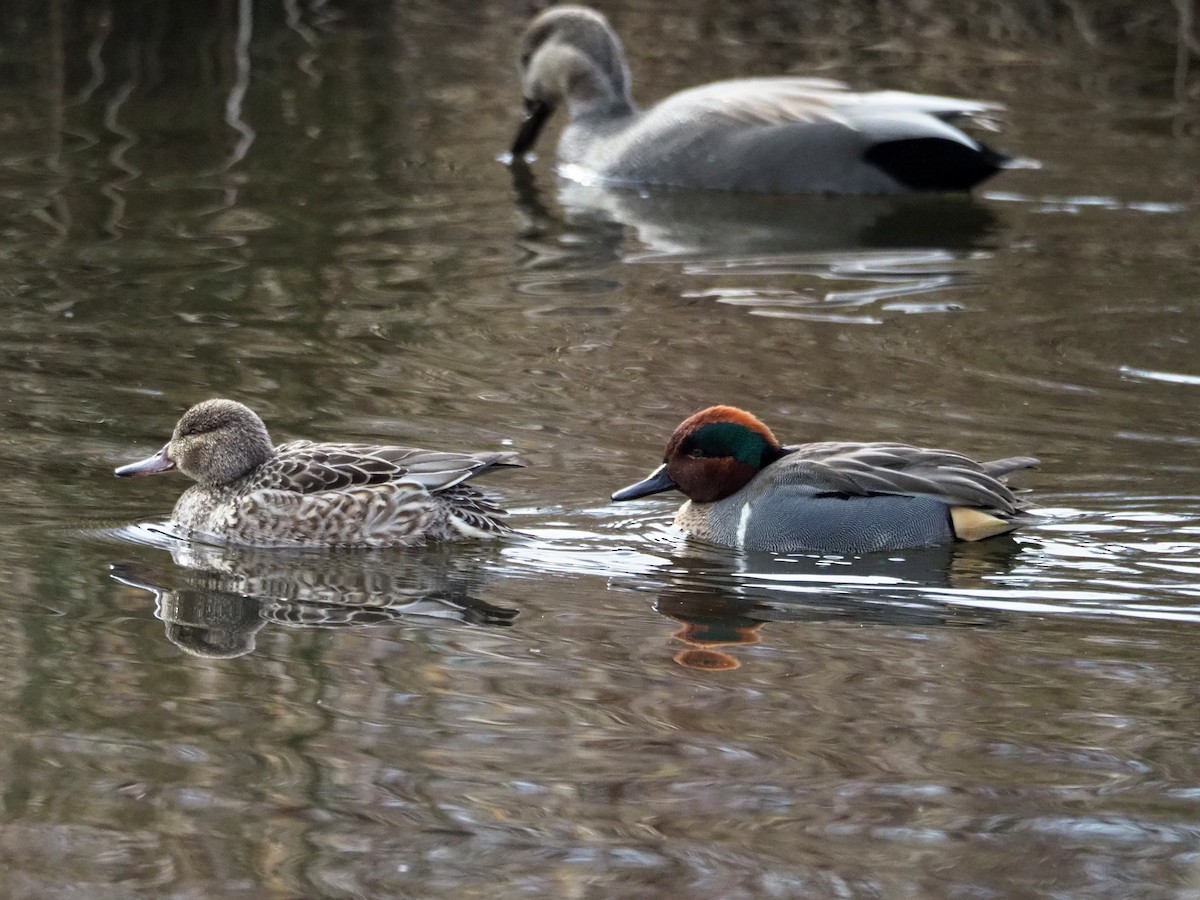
1103	43
228	72
1117	26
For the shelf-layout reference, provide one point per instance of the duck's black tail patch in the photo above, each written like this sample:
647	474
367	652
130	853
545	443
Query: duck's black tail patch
936	164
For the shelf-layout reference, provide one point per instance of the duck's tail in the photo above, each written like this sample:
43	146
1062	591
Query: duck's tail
998	468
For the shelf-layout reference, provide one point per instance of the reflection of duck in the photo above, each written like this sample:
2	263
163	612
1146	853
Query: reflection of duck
585	240
703	224
845	252
778	135
709	622
229	593
723	601
691	224
747	491
202	622
322	495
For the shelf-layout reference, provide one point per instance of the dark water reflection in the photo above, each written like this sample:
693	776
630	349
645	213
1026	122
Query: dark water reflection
218	597
297	204
774	256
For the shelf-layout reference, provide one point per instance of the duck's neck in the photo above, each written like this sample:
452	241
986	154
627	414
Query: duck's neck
591	117
594	94
230	465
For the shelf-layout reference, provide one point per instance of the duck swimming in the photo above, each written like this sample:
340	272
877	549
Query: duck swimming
748	492
774	135
320	495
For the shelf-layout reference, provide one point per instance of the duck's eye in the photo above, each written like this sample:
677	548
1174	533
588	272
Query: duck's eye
192	430
696	453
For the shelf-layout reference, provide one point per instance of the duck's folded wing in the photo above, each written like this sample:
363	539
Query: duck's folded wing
781	101
998	468
861	470
754	101
884	103
307	468
473	513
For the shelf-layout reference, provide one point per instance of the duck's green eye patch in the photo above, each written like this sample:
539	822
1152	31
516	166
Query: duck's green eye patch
728	439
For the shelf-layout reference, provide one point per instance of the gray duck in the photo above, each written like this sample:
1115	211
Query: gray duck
774	135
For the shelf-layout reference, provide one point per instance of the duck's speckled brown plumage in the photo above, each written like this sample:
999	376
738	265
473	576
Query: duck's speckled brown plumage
747	491
328	495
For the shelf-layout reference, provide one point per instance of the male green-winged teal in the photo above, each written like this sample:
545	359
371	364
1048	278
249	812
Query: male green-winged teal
746	491
776	135
321	495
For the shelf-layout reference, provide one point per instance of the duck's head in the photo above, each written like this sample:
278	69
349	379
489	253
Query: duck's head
711	455
216	442
569	54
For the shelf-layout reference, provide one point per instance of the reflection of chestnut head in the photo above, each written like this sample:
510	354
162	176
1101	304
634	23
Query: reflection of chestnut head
706	660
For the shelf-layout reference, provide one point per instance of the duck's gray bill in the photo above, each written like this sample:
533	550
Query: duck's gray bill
151	465
657	482
536	114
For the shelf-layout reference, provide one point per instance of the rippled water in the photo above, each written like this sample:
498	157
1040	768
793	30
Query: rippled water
299	205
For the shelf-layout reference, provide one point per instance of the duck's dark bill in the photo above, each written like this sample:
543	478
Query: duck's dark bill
656	483
151	465
536	114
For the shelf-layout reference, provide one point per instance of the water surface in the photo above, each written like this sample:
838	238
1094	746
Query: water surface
298	205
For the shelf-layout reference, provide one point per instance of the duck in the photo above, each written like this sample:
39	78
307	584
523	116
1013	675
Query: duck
784	135
748	492
307	494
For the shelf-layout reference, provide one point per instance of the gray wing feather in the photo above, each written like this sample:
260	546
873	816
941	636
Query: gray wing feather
306	467
767	102
776	101
998	468
866	469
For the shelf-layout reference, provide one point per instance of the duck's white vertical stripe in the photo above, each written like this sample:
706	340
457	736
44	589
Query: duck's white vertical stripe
743	526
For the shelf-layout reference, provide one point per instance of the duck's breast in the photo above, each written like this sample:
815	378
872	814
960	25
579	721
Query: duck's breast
197	507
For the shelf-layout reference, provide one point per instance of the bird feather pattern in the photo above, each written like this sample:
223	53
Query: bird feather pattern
303	493
780	101
878	468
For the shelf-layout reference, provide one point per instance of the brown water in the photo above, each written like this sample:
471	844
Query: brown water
298	205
